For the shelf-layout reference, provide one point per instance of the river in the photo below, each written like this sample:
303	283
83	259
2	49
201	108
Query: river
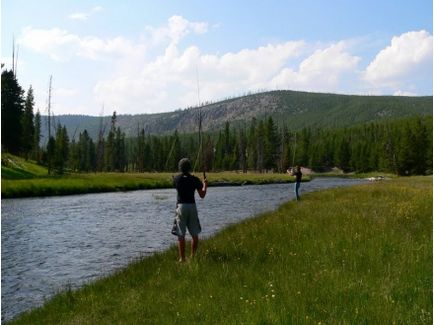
49	244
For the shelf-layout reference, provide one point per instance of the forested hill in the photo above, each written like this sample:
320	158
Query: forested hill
295	109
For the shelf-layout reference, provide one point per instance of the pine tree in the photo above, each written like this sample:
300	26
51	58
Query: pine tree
11	112
120	161
86	152
391	140
242	150
260	137
234	154
343	153
74	156
227	148
252	152
420	145
174	153
27	125
140	151
285	155
49	155
219	152
61	149
271	145
110	147
37	137
147	156
208	153
303	147
100	152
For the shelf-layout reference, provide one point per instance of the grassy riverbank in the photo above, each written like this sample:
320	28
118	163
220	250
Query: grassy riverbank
110	182
351	255
24	179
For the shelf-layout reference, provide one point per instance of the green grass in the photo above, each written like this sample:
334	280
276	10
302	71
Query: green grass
359	255
22	178
14	167
83	183
109	182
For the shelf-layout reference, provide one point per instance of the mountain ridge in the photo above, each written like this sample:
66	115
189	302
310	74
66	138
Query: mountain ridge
295	109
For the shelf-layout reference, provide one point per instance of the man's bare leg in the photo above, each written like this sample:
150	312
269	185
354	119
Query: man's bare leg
194	245
181	249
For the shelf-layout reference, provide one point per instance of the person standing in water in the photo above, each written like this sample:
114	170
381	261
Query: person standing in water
186	211
298	174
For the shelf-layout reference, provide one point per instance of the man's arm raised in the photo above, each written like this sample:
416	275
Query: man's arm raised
202	191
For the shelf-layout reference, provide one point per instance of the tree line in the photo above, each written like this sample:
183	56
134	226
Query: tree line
401	146
21	128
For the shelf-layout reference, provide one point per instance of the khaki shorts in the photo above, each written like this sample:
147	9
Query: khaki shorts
187	218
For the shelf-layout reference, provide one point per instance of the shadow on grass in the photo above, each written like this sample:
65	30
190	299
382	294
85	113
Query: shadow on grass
16	173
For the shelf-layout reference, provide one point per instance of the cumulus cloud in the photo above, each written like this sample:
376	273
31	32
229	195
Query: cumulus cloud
56	43
321	71
60	45
177	28
155	73
407	55
231	73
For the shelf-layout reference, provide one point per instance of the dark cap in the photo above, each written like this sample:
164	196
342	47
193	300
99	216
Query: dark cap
184	165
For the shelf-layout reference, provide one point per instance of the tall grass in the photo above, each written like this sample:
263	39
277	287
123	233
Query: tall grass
108	182
83	183
360	255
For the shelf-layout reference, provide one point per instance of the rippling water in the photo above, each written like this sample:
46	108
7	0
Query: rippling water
55	242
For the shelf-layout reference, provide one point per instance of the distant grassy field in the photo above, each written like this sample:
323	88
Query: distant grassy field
26	179
359	255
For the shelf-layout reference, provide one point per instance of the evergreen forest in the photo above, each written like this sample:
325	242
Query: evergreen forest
401	145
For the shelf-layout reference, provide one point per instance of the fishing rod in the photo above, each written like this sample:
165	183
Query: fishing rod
200	151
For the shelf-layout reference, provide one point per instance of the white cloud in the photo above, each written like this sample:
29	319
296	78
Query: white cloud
56	43
220	76
60	45
156	73
408	55
323	70
177	28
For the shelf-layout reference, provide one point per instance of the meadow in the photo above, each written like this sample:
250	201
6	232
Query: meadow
359	255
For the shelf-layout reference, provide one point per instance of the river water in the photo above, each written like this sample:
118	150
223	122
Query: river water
48	244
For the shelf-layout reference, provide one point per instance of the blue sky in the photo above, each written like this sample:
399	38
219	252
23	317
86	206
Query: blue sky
148	56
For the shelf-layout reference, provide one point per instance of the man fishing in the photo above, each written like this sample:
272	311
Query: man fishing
298	174
186	211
